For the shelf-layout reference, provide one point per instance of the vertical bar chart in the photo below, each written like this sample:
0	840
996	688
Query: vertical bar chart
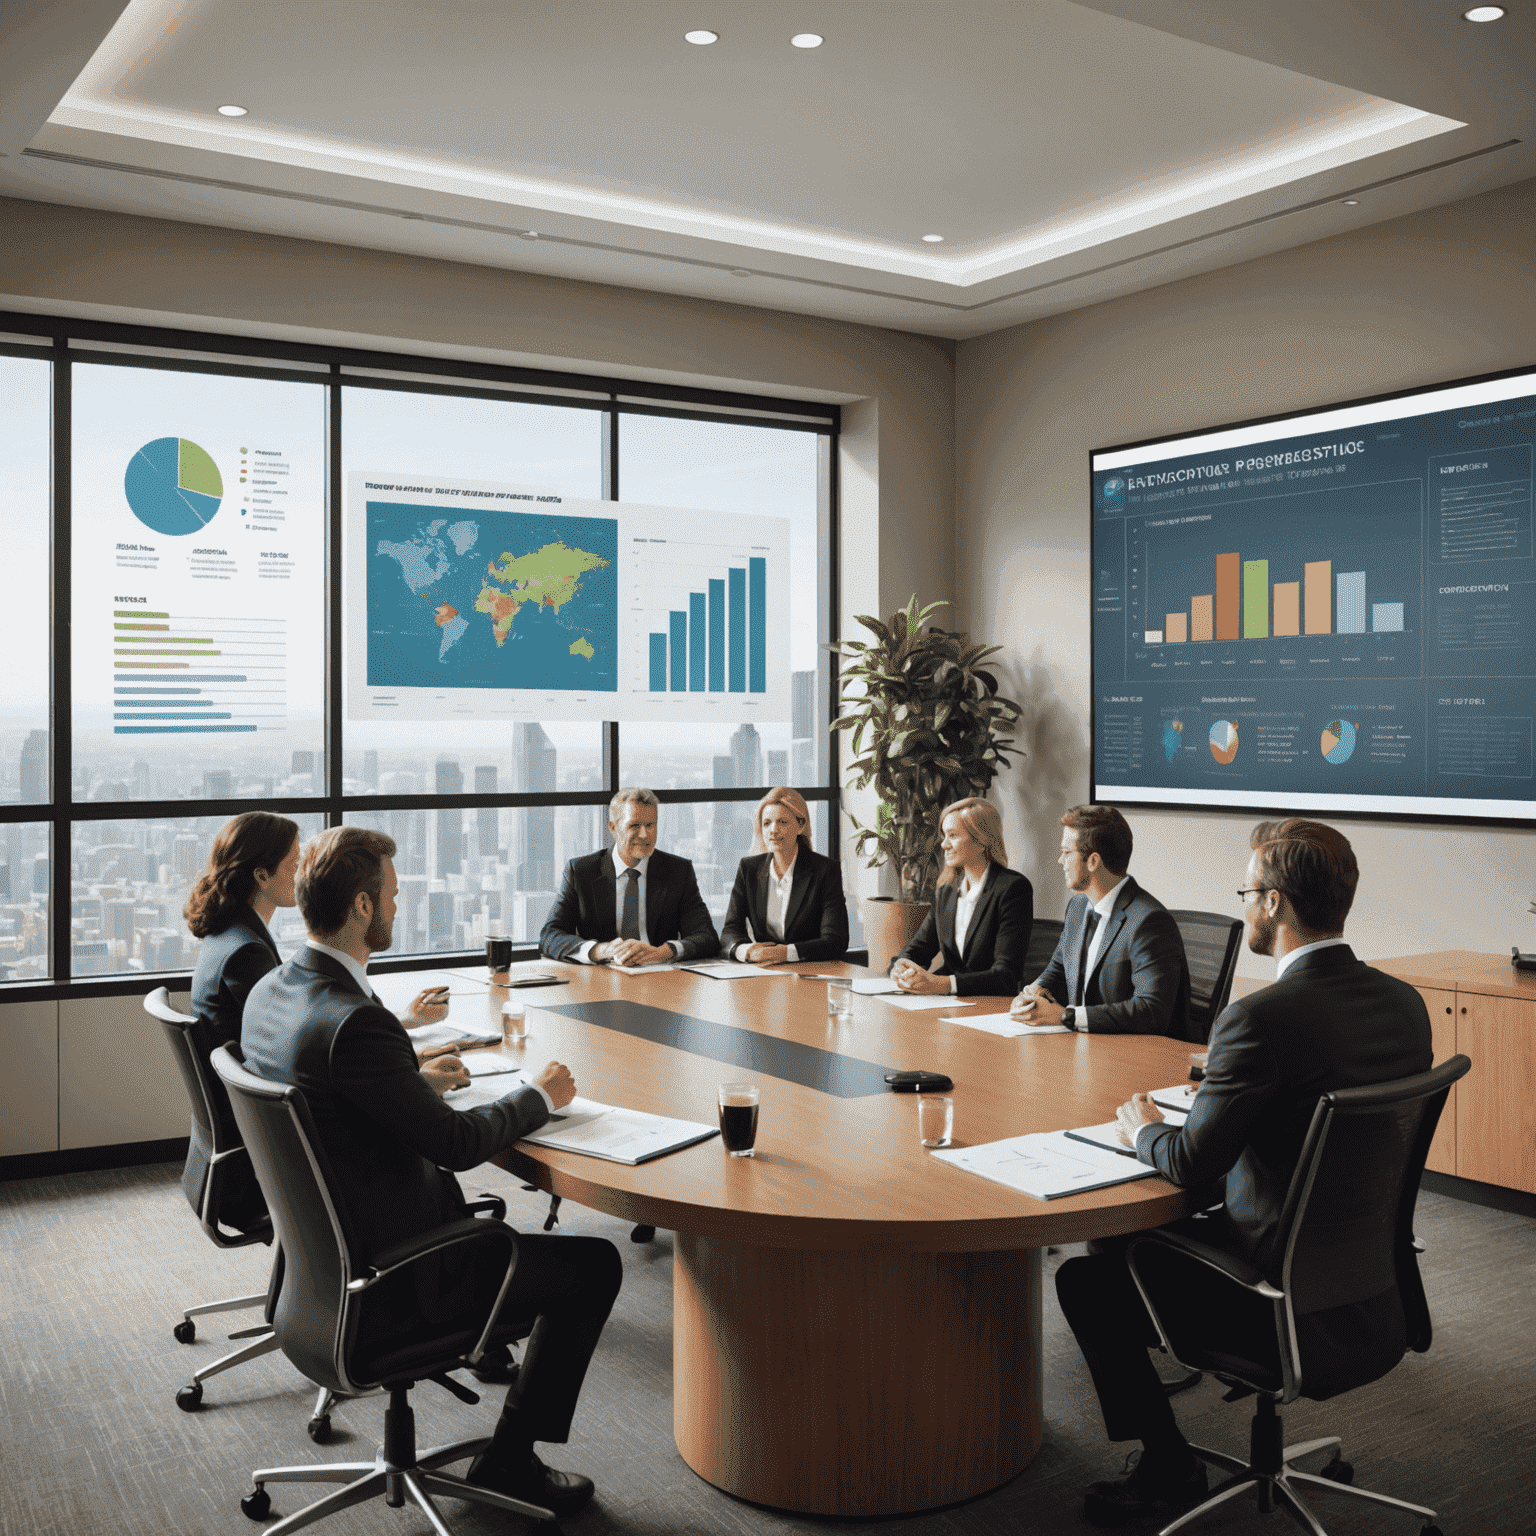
736	644
757	625
1287	608
1228	607
1176	628
1255	599
1317	594
716	636
1349	602
698	642
658	663
1200	618
679	630
719	643
1387	618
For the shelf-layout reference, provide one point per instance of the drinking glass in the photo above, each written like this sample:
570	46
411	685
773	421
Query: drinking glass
840	999
514	1021
738	1118
498	953
935	1119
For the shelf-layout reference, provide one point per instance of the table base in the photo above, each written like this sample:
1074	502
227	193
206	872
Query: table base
855	1383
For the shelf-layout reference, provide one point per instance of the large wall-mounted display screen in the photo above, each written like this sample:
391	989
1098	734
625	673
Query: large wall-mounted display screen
1333	611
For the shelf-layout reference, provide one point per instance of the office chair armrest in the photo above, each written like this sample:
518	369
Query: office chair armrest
434	1241
1238	1270
492	1203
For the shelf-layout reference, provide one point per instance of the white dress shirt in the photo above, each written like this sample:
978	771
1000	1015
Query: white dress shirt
359	973
620	871
1103	906
779	887
965	910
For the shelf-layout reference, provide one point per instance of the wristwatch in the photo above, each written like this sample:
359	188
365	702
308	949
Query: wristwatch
1069	1017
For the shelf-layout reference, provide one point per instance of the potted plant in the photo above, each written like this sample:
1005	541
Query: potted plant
928	729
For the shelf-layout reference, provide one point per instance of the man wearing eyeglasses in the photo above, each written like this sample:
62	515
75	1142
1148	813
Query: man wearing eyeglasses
1119	966
1329	1021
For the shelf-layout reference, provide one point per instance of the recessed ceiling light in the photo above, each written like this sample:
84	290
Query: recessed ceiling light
1351	202
807	40
229	109
702	37
1483	13
934	239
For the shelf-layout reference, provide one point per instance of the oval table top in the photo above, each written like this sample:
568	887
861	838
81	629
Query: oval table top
830	1172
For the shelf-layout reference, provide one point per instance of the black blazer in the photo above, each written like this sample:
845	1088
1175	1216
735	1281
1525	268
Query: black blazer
995	942
584	908
389	1137
816	920
1330	1022
229	964
1140	980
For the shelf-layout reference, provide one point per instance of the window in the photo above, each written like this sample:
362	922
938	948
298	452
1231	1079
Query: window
216	578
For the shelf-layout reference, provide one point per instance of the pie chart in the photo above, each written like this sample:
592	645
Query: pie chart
1223	741
173	486
1338	742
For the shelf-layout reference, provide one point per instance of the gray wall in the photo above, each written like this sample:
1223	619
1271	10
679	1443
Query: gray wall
1433	296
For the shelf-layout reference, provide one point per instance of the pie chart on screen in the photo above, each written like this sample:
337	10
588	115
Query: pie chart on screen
1223	741
173	486
1338	741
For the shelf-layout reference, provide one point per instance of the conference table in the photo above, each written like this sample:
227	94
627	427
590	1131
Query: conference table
856	1325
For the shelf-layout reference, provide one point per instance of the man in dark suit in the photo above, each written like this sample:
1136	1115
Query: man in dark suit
316	1023
630	903
1119	966
1329	1021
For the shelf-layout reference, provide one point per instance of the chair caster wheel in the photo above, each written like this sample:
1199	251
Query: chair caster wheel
257	1505
190	1399
185	1331
320	1429
1339	1471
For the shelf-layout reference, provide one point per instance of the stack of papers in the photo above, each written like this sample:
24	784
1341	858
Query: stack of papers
912	1002
491	1064
616	1135
1109	1135
1048	1165
446	1033
875	986
644	970
1001	1024
734	970
1179	1099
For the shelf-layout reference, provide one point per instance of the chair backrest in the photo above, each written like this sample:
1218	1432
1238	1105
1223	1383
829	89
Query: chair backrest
1210	946
310	1316
181	1030
1043	938
1346	1228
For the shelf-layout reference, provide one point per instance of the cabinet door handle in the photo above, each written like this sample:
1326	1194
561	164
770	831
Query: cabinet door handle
1448	1008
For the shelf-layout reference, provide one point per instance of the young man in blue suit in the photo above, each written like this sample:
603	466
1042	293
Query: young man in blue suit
1329	1021
630	903
1119	966
316	1023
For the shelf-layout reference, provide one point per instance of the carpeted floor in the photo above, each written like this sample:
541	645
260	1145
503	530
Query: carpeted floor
95	1268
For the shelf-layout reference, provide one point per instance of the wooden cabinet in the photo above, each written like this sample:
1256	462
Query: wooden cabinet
1442	1021
1488	1130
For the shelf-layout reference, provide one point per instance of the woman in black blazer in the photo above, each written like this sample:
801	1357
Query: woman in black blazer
787	903
996	903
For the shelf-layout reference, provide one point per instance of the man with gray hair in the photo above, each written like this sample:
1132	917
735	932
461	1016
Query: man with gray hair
629	904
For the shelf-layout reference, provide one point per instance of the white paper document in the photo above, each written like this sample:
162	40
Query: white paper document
1108	1135
489	1064
921	1000
733	970
875	986
1001	1024
451	1033
617	1135
1180	1097
483	1091
645	970
1047	1165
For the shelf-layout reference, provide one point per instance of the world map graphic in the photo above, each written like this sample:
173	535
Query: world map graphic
491	599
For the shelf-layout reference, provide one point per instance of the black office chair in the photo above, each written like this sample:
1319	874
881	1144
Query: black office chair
1344	1303
1043	938
1210	945
325	1284
227	1165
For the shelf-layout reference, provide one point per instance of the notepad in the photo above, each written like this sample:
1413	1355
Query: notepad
1002	1024
617	1135
733	970
489	1064
1047	1165
918	1001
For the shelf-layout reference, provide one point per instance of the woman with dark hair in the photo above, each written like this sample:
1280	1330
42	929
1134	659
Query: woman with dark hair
249	875
787	903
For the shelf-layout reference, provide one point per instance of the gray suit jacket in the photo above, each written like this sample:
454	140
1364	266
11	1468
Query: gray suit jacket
584	909
1140	980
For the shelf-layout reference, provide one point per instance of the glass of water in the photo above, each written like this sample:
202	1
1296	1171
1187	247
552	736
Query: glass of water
840	999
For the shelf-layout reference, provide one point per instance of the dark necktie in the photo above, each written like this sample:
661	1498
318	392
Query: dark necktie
629	923
1089	929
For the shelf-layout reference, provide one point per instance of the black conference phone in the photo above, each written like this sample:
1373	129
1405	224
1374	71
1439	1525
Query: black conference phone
1521	962
918	1082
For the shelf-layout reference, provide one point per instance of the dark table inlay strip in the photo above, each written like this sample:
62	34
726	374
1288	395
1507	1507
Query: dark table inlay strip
846	1077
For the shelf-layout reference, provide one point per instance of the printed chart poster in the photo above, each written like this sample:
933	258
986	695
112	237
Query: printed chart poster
485	600
1342	617
199	559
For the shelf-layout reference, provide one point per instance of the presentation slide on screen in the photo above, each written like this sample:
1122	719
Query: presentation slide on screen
199	565
483	600
1335	612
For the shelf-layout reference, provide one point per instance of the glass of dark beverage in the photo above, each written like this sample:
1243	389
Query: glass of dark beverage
738	1118
498	954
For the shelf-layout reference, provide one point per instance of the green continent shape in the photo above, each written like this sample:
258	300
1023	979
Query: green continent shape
550	576
583	647
196	471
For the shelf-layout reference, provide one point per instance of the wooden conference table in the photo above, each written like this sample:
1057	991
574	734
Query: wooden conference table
856	1326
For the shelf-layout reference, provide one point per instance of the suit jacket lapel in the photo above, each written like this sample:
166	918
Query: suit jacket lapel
1112	926
655	892
944	900
313	960
799	890
605	915
1077	915
984	904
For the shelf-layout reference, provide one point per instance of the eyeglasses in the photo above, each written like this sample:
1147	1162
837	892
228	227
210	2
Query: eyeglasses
1252	890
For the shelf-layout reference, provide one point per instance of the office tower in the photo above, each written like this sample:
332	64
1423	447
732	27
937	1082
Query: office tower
218	784
448	825
34	767
778	768
534	762
371	768
802	730
487	818
410	931
303	762
186	856
746	757
117	921
439	916
40	875
141	781
725	773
